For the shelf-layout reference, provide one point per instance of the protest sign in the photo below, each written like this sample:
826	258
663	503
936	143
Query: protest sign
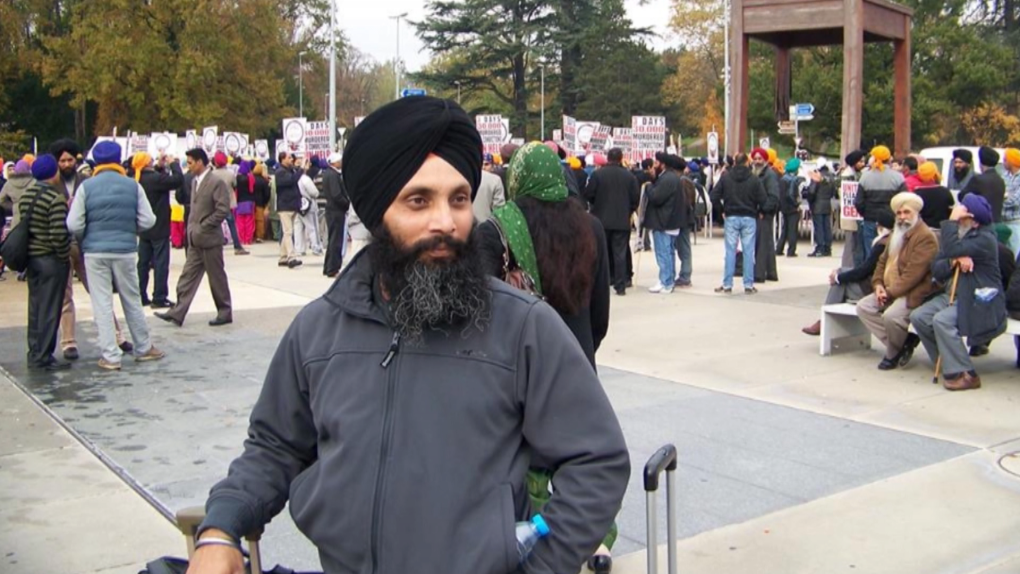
191	140
570	134
557	135
262	149
493	130
317	139
294	134
232	144
162	143
649	136
847	195
584	132
209	136
623	138
279	147
600	138
137	143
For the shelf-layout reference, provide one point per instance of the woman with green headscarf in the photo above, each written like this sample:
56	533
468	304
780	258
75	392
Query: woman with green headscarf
552	238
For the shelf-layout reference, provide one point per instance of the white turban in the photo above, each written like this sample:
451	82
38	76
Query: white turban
906	198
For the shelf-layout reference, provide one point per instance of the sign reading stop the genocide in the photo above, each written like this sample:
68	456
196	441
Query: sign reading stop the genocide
649	136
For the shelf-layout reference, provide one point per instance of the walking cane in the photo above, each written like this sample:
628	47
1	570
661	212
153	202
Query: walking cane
952	299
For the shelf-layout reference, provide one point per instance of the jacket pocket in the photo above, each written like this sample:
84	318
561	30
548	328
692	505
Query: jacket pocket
508	521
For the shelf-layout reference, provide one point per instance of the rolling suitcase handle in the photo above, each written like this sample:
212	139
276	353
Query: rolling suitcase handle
188	521
664	459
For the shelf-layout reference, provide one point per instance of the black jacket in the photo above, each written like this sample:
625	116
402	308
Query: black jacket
938	204
789	194
245	190
989	185
613	194
819	196
333	188
389	453
979	321
288	196
262	191
739	193
770	183
668	207
862	273
157	186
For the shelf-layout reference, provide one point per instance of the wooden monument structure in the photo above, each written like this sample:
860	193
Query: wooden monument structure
788	24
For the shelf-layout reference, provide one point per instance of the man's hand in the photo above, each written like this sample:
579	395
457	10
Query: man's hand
882	295
216	559
966	264
959	210
832	277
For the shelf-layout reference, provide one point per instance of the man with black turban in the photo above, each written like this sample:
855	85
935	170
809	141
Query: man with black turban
962	170
988	184
402	409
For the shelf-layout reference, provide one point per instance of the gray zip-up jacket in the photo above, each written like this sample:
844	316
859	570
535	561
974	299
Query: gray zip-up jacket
398	458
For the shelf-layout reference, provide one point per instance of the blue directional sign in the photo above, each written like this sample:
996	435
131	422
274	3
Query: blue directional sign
412	92
805	109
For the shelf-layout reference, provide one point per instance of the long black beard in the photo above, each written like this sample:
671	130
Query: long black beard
432	295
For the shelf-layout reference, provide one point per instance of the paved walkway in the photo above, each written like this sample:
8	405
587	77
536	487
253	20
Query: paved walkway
790	462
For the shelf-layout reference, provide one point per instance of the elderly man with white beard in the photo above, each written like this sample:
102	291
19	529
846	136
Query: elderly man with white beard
902	281
979	312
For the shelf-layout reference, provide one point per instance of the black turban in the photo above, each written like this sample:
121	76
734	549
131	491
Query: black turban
988	156
853	157
390	145
70	146
964	155
673	161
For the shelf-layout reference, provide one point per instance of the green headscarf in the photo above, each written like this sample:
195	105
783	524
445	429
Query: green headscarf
534	171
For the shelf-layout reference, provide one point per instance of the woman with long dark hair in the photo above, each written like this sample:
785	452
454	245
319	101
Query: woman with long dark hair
550	237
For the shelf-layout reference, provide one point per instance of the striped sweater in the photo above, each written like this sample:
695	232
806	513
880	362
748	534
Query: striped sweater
48	228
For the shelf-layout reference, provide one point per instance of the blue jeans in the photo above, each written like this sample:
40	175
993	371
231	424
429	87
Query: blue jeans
823	232
683	250
664	258
867	231
233	230
743	228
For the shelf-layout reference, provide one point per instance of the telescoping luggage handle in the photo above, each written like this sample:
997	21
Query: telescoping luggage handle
664	459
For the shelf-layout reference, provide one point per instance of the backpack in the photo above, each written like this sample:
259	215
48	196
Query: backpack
789	198
15	247
513	275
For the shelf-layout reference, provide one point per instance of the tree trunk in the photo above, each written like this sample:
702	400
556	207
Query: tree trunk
519	122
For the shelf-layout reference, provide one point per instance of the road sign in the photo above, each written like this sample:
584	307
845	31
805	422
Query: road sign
787	127
805	110
764	143
412	92
806	118
713	148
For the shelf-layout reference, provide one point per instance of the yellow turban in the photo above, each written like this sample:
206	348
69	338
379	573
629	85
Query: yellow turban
928	172
573	162
906	198
881	154
773	156
1013	157
140	162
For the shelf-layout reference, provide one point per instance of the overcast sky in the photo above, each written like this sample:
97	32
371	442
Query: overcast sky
371	29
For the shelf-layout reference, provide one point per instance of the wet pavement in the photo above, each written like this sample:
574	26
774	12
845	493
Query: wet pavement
172	427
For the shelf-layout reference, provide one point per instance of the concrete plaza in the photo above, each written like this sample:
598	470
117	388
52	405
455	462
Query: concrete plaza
789	462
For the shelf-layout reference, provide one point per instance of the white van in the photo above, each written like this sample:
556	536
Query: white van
943	158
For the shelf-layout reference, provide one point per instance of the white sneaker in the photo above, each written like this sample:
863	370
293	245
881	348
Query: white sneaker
657	288
666	291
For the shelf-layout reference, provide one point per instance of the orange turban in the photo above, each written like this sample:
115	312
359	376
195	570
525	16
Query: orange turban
928	172
880	154
140	162
1013	157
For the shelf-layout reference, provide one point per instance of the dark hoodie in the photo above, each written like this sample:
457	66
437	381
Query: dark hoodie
398	458
739	193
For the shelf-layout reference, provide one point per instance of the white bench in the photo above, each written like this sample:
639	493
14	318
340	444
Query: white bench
842	330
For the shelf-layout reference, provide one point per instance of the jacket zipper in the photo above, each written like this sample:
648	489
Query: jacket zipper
384	448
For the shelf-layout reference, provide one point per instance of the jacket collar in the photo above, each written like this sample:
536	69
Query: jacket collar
352	290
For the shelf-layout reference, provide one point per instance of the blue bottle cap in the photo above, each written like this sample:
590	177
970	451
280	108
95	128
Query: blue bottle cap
540	525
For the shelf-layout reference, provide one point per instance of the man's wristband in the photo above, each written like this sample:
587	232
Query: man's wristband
214	541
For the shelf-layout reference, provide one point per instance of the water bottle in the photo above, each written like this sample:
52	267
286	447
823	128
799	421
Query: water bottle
528	534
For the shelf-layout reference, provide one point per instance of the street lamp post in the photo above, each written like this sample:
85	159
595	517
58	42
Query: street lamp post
301	85
541	68
396	62
331	116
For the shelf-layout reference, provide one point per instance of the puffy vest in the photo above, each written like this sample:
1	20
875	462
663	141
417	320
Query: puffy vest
111	221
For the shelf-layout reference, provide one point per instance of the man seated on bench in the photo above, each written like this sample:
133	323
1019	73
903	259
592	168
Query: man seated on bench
851	284
979	312
902	281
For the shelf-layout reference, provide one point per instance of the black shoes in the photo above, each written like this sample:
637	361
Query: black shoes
219	321
165	304
71	354
166	317
51	365
979	350
907	352
887	364
294	263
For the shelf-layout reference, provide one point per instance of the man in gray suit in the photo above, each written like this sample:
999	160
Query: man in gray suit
490	193
210	204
